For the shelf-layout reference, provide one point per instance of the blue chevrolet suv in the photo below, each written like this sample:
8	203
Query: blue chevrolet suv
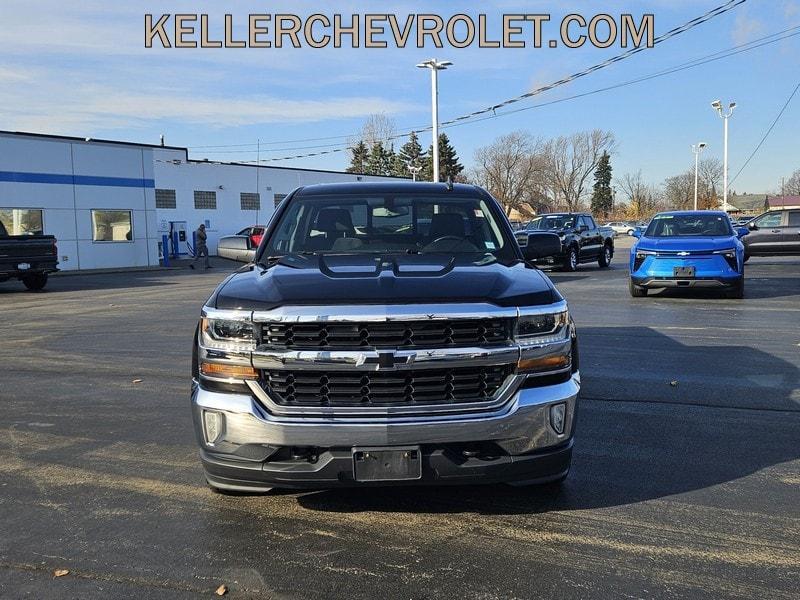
691	249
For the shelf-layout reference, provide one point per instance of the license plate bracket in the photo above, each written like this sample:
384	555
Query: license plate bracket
24	266
387	464
683	272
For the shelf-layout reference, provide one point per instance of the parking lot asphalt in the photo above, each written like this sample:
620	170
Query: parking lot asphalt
685	481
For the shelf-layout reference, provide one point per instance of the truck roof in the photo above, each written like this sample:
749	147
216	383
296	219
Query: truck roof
387	187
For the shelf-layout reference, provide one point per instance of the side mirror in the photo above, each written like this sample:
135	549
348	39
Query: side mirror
539	245
637	233
752	226
742	231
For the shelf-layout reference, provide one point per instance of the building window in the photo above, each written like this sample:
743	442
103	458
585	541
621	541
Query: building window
21	221
278	199
165	199
250	201
112	226
207	200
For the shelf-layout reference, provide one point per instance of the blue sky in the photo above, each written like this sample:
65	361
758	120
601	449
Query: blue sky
82	69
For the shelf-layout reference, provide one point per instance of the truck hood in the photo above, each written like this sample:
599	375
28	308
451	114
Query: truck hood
371	279
687	244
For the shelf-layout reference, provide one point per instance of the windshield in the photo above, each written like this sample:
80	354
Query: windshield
689	225
547	222
389	225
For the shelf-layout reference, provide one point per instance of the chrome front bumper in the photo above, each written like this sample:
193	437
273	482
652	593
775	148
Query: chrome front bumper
521	425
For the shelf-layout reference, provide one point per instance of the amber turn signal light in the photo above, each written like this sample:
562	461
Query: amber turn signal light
228	371
544	363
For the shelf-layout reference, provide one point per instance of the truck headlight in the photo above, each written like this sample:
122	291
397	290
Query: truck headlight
544	341
226	340
228	332
542	329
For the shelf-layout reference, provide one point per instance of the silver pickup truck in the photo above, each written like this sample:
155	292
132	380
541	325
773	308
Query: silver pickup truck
389	333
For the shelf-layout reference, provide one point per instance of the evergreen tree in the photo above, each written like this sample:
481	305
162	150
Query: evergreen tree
358	159
449	166
602	198
380	160
410	154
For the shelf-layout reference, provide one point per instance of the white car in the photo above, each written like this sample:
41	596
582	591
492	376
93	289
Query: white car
621	227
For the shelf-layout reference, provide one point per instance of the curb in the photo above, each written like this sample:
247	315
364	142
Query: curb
183	266
116	270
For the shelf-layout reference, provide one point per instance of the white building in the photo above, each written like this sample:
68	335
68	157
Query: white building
109	203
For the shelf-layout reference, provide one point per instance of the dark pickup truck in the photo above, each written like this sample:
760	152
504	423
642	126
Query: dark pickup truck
582	240
386	334
28	258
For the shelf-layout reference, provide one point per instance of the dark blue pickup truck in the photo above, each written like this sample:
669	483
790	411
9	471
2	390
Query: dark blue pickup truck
386	334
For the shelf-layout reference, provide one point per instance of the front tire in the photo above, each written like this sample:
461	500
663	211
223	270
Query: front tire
605	257
571	260
737	291
35	281
636	291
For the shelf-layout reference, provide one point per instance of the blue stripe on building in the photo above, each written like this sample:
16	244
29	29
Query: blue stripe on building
56	178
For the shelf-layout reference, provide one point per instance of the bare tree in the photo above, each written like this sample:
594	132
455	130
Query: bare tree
513	169
710	173
573	160
792	185
643	199
378	128
679	191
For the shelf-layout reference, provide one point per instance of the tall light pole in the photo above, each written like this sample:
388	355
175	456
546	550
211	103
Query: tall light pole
697	149
435	66
725	115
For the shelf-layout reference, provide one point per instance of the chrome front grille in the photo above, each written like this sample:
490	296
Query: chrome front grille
415	387
391	334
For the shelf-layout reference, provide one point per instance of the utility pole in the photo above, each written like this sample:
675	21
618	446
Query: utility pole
435	66
697	149
724	115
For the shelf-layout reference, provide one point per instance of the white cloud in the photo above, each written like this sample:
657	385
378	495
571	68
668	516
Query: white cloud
10	76
746	28
93	108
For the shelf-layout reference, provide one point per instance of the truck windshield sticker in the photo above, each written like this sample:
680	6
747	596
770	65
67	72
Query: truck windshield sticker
490	245
479	213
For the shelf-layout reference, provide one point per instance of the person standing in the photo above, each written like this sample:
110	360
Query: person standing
201	247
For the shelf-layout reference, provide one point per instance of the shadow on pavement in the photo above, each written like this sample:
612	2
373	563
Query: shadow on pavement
120	280
635	450
754	287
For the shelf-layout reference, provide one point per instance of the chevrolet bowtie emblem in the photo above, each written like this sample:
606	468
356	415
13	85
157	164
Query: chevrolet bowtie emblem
683	254
388	360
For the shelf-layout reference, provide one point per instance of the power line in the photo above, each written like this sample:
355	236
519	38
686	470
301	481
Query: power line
669	71
730	5
715	12
766	135
722	54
